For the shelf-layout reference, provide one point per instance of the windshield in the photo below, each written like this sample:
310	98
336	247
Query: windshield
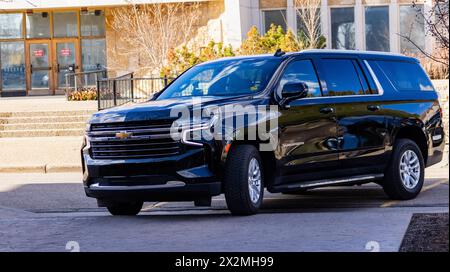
223	78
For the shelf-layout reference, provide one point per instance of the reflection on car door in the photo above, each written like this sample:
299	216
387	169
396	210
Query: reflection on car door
307	141
361	124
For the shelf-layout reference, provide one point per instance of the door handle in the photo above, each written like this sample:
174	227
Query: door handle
373	107
326	110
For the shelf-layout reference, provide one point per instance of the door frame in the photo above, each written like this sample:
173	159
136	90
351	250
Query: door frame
76	42
28	63
294	168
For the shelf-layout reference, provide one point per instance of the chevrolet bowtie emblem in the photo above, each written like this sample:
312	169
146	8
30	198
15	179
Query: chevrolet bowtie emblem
123	135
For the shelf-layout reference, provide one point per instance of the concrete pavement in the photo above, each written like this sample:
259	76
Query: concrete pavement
328	219
40	154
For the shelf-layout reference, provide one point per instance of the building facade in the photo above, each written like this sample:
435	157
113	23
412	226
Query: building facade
42	41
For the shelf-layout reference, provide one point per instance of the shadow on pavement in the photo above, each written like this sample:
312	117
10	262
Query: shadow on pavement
70	197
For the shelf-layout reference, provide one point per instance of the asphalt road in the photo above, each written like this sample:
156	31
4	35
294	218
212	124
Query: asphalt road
49	212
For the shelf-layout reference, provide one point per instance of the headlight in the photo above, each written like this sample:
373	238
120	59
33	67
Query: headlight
88	127
196	131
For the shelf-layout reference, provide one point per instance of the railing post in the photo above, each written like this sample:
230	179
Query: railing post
165	81
67	86
114	93
132	88
98	94
75	82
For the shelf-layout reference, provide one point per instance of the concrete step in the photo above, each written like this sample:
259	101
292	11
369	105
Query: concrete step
44	119
41	133
43	126
46	113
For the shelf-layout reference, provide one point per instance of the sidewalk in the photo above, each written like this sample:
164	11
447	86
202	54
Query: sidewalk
40	154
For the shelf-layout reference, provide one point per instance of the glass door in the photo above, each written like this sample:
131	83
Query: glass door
39	67
66	61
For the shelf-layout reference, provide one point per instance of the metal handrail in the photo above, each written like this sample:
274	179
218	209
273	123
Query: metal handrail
86	74
112	92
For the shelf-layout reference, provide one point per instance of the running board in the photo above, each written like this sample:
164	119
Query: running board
327	182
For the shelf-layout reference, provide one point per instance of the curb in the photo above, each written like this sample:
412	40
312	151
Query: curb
47	168
23	169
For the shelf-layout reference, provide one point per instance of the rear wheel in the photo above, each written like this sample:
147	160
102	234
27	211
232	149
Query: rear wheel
405	175
125	208
243	182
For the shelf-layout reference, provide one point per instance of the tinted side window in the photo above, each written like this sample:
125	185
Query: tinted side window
343	78
406	76
301	71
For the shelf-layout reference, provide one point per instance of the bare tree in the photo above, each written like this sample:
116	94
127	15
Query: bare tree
152	30
437	25
308	11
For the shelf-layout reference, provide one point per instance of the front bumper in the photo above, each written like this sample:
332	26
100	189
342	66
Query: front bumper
183	177
171	191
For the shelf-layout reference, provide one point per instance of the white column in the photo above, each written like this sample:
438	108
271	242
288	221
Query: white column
324	22
250	15
256	14
238	17
231	23
291	18
394	27
359	25
429	40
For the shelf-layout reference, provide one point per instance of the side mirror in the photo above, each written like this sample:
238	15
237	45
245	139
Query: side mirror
292	91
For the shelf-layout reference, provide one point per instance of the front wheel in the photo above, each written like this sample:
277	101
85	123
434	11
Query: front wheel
243	180
405	175
125	208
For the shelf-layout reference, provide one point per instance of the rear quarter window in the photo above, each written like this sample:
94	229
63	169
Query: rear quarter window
406	76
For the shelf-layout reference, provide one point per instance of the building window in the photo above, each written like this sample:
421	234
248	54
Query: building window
12	60
343	28
276	17
93	54
377	28
412	26
93	57
11	25
312	23
92	23
65	24
38	25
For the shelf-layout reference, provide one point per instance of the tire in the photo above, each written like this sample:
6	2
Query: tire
236	180
409	184
125	208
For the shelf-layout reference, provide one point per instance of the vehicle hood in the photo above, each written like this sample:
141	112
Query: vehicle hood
161	109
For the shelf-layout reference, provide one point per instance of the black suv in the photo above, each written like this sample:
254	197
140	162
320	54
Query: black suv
330	118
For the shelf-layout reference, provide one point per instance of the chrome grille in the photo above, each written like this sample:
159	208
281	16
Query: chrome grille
146	139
